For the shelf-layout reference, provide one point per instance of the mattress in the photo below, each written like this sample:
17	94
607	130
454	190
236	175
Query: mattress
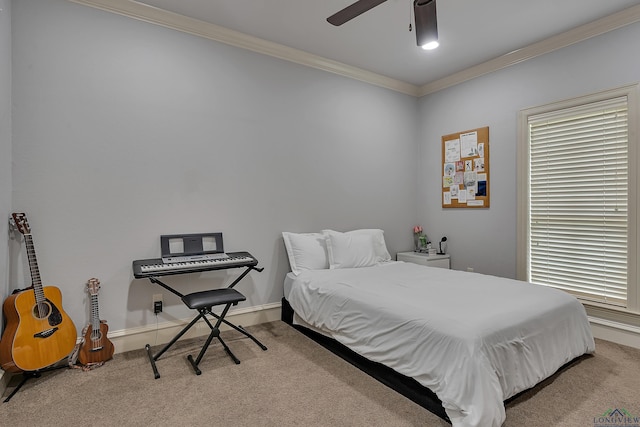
474	340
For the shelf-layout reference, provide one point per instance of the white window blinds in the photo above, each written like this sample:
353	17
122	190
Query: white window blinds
578	213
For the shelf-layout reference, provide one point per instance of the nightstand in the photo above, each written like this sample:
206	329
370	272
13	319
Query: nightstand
441	261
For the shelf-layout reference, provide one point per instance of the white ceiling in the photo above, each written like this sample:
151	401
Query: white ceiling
471	32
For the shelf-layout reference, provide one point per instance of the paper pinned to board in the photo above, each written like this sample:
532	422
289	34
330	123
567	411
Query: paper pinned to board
446	197
452	151
469	144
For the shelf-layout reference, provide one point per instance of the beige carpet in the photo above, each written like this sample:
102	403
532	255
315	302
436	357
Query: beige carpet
294	383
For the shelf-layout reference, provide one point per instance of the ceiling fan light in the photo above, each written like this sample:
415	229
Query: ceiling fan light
426	22
431	45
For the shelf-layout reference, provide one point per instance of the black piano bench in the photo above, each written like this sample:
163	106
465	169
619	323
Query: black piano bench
204	302
207	299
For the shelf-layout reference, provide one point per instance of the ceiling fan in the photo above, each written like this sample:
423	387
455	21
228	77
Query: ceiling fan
424	12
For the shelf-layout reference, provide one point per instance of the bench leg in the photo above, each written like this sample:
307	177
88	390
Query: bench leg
239	329
214	332
228	350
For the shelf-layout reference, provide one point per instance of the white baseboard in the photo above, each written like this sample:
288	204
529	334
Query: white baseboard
616	332
136	338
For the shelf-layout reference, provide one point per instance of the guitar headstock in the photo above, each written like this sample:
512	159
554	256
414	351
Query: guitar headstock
93	286
21	223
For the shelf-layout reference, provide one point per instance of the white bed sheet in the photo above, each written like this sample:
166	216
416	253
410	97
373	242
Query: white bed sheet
474	340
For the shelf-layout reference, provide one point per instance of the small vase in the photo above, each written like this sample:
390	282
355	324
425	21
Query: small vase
422	243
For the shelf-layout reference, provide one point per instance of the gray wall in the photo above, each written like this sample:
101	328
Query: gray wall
5	141
123	131
486	239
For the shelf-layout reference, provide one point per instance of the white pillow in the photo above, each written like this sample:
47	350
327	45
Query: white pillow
379	243
306	251
350	250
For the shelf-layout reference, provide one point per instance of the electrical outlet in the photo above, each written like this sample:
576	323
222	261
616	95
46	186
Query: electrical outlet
156	303
470	269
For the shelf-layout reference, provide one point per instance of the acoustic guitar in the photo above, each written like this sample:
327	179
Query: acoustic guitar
96	347
38	332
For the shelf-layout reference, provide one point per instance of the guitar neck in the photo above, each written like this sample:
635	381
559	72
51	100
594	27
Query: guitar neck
33	267
95	315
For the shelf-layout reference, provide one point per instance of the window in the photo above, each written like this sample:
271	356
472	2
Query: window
577	194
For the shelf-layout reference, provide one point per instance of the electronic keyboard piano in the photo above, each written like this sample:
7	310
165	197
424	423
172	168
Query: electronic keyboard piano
156	267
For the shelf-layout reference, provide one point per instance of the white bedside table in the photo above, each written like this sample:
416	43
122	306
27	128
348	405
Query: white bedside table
441	261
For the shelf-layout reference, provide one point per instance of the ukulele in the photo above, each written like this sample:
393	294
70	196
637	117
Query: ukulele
96	348
38	332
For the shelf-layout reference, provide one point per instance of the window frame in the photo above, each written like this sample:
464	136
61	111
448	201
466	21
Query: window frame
632	93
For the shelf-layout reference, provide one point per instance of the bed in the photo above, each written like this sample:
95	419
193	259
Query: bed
474	340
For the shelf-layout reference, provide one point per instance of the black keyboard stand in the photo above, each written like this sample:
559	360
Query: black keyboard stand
203	302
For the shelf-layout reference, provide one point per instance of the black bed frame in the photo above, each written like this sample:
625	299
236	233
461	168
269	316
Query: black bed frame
404	385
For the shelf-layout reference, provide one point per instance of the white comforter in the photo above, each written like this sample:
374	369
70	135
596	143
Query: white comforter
474	340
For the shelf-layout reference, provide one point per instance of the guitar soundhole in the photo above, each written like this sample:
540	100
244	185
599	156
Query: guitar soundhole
47	310
41	310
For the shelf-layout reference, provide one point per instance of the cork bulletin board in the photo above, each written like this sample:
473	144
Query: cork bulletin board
465	169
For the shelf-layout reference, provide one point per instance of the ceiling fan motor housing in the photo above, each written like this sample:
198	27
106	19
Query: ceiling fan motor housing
426	21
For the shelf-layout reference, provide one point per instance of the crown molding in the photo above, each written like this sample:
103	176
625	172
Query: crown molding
153	15
603	25
150	14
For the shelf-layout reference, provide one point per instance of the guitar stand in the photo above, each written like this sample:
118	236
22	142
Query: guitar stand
27	375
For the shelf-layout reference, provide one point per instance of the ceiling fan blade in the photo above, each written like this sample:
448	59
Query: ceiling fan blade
351	11
426	21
